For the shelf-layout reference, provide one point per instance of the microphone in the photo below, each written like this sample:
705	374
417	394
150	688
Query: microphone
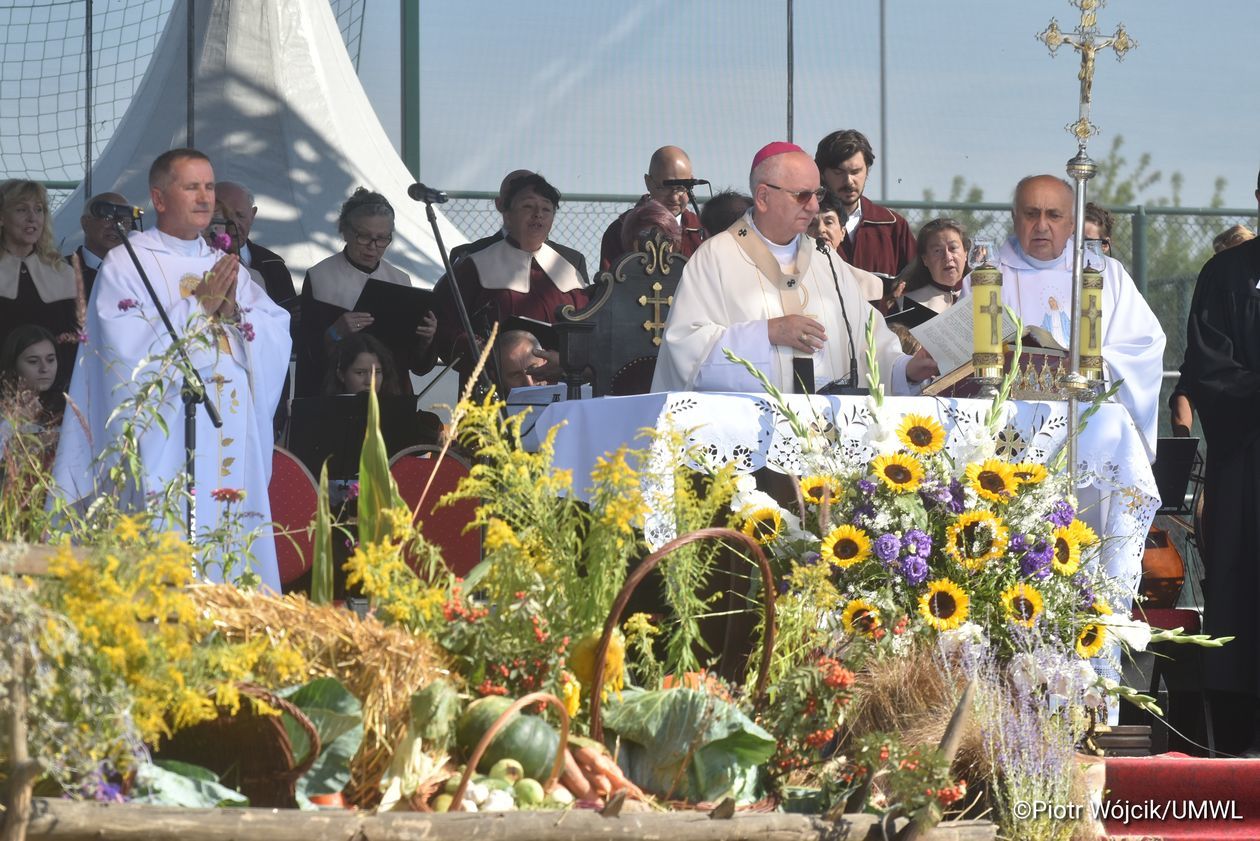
683	182
852	388
102	209
428	195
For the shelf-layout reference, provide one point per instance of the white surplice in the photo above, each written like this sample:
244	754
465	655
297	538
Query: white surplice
733	285
244	378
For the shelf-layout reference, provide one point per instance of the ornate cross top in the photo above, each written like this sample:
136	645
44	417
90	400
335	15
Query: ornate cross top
1091	315
1087	42
655	324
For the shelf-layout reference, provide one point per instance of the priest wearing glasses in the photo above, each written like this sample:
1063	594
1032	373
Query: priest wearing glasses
764	290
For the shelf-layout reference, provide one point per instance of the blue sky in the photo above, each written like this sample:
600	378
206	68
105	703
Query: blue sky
584	91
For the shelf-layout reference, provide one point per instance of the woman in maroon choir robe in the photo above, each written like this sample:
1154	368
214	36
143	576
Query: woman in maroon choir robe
330	295
520	275
37	286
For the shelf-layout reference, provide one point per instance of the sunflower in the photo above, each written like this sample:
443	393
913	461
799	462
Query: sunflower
921	434
860	617
813	488
846	546
993	480
1085	536
901	473
1101	608
1023	604
944	606
1067	551
1090	640
1030	473
763	525
976	538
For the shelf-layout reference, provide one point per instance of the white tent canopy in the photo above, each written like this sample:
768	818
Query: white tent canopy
279	108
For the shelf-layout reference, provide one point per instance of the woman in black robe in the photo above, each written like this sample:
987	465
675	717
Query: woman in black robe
330	296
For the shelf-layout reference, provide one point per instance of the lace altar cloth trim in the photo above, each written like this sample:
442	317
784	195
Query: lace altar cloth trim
1114	479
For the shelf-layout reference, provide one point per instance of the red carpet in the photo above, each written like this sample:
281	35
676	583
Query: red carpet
1178	796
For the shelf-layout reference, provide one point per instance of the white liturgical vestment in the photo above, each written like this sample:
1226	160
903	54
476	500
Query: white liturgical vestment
243	365
733	285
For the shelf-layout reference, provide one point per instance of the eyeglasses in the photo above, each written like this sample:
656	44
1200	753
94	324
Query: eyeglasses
367	239
668	188
802	196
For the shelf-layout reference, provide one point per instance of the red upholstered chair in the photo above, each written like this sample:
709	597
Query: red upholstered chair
411	469
294	496
1179	667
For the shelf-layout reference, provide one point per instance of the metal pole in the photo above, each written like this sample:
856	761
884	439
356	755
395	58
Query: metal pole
410	88
87	99
190	70
1081	168
883	99
1140	221
791	60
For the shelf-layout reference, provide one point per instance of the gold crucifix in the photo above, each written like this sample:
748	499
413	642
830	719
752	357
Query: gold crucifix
1087	42
994	311
655	325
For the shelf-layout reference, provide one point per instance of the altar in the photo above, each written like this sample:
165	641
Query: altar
1116	488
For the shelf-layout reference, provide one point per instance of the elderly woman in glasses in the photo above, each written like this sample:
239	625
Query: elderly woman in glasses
523	274
330	296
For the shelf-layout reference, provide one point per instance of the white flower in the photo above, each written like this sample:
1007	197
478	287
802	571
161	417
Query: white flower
1133	633
1025	672
972	444
961	641
881	430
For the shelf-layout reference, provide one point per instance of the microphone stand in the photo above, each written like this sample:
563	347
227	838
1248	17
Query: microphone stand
483	382
691	199
193	390
852	389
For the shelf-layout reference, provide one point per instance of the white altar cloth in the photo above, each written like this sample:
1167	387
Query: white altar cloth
1117	490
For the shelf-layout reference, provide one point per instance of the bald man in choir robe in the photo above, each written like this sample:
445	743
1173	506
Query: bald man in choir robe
668	163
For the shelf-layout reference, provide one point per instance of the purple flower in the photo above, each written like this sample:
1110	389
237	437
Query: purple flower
866	487
887	546
917	542
222	241
81	337
935	494
127	304
247	330
862	513
914	569
1062	513
1036	561
1018	544
1081	581
957	503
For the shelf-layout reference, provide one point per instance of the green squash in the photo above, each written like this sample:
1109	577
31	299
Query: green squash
526	738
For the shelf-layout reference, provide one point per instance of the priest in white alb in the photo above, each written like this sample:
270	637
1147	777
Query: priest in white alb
767	292
237	340
1036	266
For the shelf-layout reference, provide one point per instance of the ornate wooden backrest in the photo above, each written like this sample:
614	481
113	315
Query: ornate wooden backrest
627	307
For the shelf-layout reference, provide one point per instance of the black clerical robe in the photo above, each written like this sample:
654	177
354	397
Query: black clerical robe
1221	375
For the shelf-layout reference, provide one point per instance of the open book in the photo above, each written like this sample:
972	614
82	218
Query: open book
948	339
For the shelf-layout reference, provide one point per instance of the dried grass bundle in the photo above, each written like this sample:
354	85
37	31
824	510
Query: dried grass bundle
914	696
381	665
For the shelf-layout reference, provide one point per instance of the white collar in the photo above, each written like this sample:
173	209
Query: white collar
246	257
89	259
855	219
784	254
504	266
335	281
52	282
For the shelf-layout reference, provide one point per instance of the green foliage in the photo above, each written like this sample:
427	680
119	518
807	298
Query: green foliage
378	492
322	550
338	719
166	782
683	743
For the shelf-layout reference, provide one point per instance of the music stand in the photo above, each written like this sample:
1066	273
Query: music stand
1174	462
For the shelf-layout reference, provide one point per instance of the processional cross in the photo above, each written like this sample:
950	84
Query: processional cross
1088	43
1091	316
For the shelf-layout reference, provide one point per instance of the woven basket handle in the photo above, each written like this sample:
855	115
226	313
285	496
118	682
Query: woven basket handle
302	720
457	799
641	572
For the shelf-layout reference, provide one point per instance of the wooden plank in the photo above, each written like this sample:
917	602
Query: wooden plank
27	558
63	820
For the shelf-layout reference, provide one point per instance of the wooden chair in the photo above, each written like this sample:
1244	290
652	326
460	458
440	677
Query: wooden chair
294	496
411	469
627	309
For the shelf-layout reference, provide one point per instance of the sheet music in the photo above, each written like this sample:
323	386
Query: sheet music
948	337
